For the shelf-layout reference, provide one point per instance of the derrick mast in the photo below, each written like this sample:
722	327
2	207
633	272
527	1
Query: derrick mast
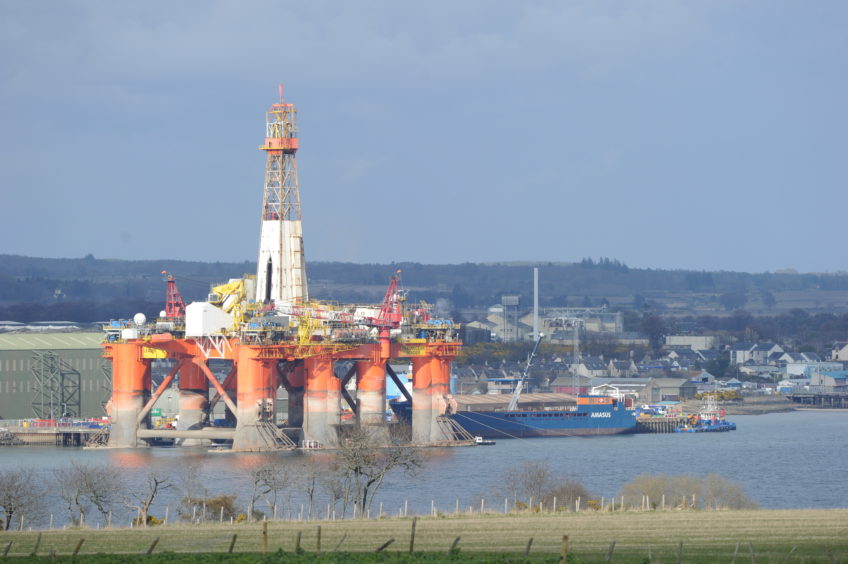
281	269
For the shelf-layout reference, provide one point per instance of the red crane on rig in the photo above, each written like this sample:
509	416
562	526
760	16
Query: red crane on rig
390	315
174	304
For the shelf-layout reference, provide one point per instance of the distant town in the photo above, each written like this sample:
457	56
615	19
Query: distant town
657	335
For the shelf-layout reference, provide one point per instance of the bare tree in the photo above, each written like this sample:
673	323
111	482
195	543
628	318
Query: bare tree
21	496
536	482
336	487
364	463
142	498
721	493
194	491
87	487
309	478
268	481
529	481
566	493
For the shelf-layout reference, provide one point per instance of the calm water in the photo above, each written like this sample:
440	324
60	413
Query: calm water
783	460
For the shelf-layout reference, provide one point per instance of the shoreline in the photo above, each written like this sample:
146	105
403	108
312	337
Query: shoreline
751	405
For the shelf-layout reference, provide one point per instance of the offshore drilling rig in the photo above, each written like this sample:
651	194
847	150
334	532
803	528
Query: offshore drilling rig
265	332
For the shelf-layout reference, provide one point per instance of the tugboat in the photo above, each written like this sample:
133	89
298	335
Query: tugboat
710	419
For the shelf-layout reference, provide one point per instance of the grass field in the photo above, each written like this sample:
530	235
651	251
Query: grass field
774	536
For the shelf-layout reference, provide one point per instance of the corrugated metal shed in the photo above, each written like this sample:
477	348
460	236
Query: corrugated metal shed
50	341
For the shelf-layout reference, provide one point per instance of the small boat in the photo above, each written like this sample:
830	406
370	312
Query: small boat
480	441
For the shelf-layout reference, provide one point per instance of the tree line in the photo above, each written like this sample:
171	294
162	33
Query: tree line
40	280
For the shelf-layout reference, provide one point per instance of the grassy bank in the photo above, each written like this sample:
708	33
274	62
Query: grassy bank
813	535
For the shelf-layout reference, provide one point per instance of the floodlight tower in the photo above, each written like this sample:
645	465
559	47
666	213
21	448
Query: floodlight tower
281	270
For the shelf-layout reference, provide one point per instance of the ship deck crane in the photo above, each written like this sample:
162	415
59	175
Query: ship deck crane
513	402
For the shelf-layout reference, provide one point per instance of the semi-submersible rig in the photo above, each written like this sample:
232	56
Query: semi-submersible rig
266	333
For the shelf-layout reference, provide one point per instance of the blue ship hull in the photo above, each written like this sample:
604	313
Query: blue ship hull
582	420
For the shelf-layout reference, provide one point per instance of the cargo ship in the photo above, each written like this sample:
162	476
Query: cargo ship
605	411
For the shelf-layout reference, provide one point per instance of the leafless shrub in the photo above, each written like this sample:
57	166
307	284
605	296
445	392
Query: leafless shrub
88	487
21	496
533	482
267	480
711	492
141	499
362	464
721	493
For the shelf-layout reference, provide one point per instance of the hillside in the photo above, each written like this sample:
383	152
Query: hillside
43	281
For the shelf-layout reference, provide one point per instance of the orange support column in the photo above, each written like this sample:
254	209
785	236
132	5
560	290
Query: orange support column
321	416
371	394
131	384
439	390
256	390
297	380
422	402
194	398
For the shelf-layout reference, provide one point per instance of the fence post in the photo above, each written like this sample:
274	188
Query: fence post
385	545
7	549
554	504
152	546
339	544
297	542
529	544
563	551
318	540
76	548
265	536
37	544
453	545
609	552
232	544
412	535
679	551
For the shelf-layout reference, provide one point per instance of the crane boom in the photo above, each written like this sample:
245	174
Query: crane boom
513	402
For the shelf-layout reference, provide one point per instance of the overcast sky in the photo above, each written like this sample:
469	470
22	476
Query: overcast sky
698	135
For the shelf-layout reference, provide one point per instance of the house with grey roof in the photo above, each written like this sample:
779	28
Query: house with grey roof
839	351
741	352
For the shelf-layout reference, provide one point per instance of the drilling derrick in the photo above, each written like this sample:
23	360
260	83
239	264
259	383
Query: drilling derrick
281	269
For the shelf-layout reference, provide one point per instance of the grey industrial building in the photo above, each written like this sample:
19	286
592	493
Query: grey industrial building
47	375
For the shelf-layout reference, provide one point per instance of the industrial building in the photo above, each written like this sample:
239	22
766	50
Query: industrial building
47	375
